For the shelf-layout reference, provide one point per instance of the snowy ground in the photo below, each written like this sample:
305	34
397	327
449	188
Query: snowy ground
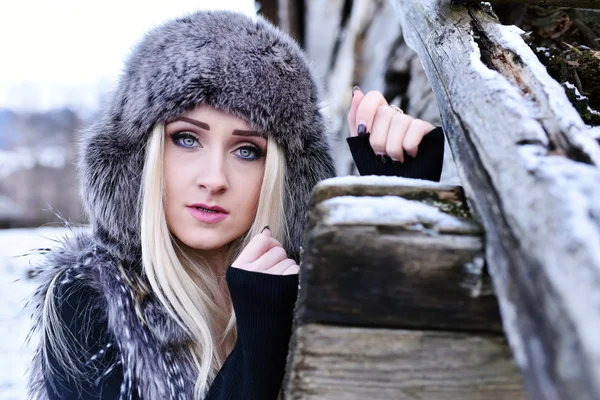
14	320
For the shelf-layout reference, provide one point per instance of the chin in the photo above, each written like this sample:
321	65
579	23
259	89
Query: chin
207	244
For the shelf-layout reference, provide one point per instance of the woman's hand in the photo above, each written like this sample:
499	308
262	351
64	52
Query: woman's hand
392	132
266	255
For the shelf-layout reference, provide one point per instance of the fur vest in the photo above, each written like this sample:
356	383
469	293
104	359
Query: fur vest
149	348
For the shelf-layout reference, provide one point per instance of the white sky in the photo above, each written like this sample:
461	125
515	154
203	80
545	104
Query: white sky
65	52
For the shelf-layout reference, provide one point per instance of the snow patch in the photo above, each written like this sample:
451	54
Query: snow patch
15	288
578	95
477	64
374	180
391	211
531	155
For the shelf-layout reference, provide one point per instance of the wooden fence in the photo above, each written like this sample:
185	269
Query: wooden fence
395	300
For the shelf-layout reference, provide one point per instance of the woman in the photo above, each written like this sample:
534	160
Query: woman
195	181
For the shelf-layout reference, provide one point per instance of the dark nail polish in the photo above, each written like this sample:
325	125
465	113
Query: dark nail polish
383	159
266	227
362	130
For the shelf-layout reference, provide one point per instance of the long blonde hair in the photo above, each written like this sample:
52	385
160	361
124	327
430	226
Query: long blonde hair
183	282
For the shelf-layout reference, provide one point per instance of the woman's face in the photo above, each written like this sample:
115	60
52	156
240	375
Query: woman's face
213	169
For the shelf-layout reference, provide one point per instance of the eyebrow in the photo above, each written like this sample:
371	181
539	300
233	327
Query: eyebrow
239	132
199	124
204	125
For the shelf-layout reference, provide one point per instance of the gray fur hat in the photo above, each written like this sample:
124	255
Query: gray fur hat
223	59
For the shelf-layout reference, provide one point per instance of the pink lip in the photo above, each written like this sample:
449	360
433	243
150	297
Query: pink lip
213	208
217	215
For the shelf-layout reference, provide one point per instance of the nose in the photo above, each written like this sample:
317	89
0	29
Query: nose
212	175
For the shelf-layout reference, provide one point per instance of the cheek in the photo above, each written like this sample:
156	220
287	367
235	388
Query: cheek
248	185
175	182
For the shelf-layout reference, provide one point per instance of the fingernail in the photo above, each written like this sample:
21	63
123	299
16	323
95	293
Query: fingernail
362	129
396	162
354	89
266	227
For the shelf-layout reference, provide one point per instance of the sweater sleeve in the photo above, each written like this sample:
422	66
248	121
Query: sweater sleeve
263	305
98	377
426	165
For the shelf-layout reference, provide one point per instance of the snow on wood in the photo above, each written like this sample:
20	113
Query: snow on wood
591	4
391	211
371	180
529	167
556	114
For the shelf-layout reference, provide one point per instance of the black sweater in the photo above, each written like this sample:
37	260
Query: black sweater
263	306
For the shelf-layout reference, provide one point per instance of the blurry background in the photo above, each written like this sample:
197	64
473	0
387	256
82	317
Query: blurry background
58	60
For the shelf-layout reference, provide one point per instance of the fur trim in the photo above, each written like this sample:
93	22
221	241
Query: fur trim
152	358
230	62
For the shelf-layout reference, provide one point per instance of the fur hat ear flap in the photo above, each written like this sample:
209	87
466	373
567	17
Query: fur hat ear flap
226	60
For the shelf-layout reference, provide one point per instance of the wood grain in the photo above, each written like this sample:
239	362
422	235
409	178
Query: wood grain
529	168
363	270
332	363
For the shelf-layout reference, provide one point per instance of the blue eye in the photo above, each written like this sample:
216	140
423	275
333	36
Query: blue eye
249	153
184	139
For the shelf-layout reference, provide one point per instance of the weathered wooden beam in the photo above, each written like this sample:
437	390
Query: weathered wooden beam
270	10
555	3
290	14
391	262
356	363
529	167
447	198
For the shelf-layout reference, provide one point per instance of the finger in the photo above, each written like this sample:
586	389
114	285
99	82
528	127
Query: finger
269	259
416	132
293	270
365	114
267	231
395	139
257	246
281	267
381	127
357	96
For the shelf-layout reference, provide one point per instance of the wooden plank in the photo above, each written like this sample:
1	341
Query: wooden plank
448	198
291	18
270	10
529	167
391	262
553	3
331	363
